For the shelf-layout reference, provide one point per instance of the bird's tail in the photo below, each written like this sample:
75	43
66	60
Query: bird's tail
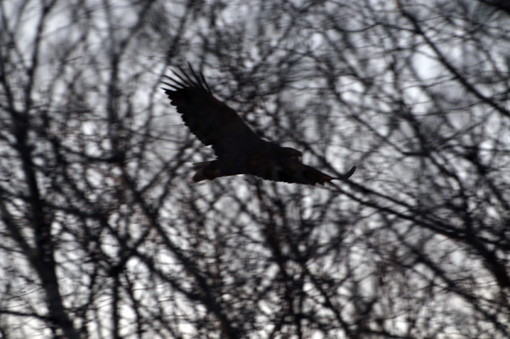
206	170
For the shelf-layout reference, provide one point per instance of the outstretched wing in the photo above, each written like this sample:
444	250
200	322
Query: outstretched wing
212	121
292	170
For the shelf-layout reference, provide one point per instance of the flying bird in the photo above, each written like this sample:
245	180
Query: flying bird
238	149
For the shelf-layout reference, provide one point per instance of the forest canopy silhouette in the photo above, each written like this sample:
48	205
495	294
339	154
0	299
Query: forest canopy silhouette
105	236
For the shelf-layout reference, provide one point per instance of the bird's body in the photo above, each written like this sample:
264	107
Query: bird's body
238	148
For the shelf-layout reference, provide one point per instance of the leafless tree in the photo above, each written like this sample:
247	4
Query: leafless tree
104	235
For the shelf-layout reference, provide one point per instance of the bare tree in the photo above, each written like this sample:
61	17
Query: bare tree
104	234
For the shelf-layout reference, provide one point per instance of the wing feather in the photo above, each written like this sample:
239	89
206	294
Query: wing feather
213	122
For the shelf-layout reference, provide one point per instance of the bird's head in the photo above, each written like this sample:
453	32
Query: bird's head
289	152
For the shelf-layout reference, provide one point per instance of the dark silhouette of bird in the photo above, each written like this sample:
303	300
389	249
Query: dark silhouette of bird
238	149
